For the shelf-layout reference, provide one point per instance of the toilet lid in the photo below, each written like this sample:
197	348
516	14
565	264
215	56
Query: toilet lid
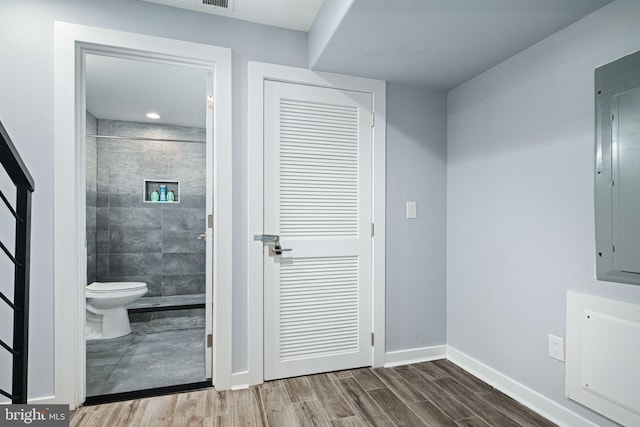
115	286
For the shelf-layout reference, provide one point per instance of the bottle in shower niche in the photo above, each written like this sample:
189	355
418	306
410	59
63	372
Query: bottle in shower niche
163	193
155	196
171	197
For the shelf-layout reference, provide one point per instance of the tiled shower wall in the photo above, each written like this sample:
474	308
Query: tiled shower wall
156	243
92	198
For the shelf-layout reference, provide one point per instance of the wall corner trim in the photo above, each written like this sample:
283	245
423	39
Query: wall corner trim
521	393
414	355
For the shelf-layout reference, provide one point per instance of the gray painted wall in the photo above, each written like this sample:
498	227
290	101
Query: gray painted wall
28	73
520	199
155	243
26	84
416	256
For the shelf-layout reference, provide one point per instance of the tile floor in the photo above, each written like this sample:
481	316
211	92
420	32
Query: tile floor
165	349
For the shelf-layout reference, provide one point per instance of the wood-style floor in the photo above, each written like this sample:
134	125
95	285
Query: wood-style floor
435	393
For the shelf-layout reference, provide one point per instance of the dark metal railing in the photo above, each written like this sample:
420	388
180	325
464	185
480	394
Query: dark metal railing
19	175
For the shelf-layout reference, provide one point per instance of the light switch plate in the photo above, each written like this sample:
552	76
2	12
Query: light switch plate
411	210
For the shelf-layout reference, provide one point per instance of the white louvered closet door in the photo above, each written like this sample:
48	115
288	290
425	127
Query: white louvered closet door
317	198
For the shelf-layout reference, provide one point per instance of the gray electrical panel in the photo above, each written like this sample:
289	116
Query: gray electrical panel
617	172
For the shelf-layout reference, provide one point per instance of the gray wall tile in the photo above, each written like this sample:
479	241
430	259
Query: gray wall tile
135	241
188	201
134	265
175	264
92	266
102	270
186	133
134	218
91	212
134	129
127	171
103	166
91	171
182	241
91	217
103	199
149	242
129	200
92	246
102	241
183	284
183	219
102	216
92	198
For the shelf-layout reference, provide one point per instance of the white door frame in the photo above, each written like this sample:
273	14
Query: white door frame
72	42
258	73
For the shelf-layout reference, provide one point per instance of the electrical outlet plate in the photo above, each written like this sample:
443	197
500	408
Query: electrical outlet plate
556	347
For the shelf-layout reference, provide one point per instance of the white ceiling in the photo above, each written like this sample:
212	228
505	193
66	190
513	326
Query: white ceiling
437	44
124	89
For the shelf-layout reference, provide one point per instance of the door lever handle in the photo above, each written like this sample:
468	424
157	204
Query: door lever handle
202	236
273	241
277	249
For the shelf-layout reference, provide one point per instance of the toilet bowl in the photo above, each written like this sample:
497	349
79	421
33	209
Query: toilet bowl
107	315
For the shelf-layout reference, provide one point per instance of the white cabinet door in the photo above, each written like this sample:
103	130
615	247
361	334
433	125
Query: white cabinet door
317	192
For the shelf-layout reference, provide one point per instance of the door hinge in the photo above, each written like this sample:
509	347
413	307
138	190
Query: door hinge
373	119
614	248
210	102
613	183
210	221
372	339
613	117
373	229
209	340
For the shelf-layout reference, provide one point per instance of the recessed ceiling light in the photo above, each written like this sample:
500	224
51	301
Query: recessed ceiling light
153	115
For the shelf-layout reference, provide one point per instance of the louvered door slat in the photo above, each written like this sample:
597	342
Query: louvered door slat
317	198
300	167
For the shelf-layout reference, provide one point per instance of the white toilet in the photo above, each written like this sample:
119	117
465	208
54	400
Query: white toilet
107	315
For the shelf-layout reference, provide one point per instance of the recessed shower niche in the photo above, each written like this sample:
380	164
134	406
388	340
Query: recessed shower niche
161	191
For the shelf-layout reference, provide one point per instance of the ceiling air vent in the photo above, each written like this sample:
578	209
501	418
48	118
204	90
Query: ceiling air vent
216	7
217	3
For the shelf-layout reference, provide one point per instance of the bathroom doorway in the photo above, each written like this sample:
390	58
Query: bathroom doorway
148	248
72	43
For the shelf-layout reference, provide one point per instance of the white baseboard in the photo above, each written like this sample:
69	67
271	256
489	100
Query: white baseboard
240	380
47	400
414	355
523	394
